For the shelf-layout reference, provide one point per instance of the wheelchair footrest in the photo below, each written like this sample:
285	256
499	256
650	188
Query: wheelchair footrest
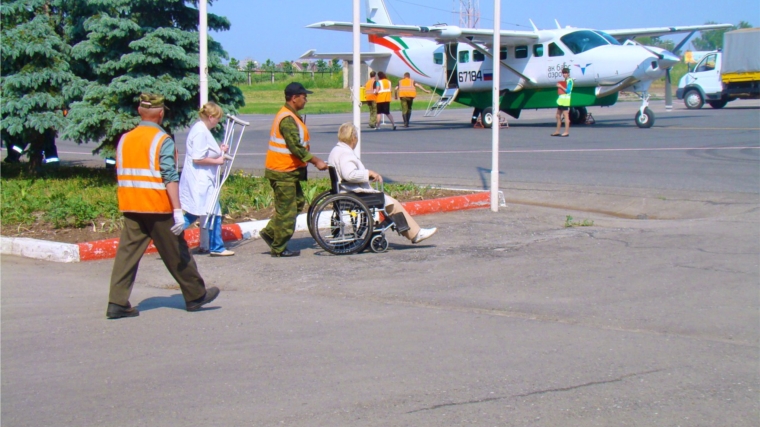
400	221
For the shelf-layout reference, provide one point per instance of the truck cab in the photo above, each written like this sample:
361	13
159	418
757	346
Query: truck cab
703	84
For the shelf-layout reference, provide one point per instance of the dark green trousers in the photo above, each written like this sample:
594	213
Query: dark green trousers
288	203
372	113
138	231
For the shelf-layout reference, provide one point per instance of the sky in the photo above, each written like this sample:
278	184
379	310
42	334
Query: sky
275	30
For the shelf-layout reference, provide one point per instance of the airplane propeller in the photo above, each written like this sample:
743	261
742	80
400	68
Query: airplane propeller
668	90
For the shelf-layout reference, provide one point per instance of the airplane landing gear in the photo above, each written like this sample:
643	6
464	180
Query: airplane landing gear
644	117
578	115
486	117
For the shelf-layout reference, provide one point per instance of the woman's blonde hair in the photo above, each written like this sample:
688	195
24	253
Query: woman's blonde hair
211	109
347	133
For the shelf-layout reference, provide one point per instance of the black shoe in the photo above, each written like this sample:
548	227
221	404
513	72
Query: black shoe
394	127
266	238
211	294
116	311
286	253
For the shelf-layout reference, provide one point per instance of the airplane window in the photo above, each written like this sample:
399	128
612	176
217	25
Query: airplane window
582	41
608	37
555	50
464	56
438	58
538	50
503	53
521	51
478	56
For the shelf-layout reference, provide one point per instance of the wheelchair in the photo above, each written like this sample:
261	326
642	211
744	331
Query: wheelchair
348	223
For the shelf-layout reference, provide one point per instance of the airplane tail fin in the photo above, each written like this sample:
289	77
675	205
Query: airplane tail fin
377	13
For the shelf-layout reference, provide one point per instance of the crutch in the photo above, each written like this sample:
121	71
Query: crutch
223	172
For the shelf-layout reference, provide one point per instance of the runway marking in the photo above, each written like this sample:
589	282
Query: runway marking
568	150
692	128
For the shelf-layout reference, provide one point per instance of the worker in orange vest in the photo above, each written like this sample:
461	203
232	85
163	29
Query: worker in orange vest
286	164
370	95
406	91
148	193
384	90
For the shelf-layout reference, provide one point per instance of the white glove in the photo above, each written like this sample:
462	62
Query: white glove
179	222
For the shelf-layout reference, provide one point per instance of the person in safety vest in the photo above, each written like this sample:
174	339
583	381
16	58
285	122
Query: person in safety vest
406	90
148	193
564	90
384	98
370	94
286	164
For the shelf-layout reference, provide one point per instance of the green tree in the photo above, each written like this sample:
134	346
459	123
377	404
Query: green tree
269	65
335	66
36	81
125	47
321	66
668	45
713	40
288	67
234	64
250	66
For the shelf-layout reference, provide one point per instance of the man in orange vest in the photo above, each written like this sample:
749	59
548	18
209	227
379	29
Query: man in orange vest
370	94
286	162
406	90
148	192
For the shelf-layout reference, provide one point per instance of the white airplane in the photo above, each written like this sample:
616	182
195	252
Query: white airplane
458	63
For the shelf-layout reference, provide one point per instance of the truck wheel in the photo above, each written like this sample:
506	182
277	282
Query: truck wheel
717	104
646	120
487	117
693	100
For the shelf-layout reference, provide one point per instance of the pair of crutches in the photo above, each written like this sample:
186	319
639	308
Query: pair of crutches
223	172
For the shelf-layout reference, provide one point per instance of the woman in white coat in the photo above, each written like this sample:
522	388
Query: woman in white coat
203	156
355	177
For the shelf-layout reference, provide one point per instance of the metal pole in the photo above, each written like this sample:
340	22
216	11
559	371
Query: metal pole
356	74
203	30
495	109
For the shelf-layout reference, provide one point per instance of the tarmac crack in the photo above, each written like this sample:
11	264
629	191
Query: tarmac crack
537	392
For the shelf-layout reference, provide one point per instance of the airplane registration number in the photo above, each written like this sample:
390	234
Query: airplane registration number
470	76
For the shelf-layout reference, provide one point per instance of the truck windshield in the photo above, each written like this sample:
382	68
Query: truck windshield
582	41
707	64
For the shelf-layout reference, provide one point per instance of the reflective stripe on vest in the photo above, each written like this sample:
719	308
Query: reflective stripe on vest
138	170
384	94
369	90
406	88
279	157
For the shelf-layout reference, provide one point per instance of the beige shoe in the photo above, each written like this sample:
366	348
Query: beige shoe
424	234
225	252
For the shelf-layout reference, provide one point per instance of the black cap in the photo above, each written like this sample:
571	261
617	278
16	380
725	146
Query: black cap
296	88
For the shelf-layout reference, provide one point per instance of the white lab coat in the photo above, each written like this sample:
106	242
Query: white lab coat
198	182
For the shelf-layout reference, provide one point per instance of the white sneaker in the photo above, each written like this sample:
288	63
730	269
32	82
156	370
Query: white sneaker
424	234
225	252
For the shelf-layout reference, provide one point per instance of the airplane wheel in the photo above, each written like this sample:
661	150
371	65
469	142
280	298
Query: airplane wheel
487	117
578	115
645	120
693	100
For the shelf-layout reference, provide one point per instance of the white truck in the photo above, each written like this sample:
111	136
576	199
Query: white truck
723	76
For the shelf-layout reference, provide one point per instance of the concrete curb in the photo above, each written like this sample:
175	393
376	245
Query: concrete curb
105	249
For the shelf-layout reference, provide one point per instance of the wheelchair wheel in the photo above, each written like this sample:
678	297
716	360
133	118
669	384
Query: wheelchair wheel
342	224
378	243
313	205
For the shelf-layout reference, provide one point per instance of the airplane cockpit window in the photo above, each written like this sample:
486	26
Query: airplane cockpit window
521	51
538	50
464	56
582	41
555	50
503	53
707	64
478	56
609	38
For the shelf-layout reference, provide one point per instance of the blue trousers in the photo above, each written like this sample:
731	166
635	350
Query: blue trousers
211	236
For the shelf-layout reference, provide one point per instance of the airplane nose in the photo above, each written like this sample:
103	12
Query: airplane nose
667	59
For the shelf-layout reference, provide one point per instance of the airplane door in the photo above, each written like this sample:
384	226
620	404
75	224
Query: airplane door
451	65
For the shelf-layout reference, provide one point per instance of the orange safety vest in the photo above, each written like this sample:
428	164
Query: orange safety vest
138	170
279	158
369	90
406	88
384	94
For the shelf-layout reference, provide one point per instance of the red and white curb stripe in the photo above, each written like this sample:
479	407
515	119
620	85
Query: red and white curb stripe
105	249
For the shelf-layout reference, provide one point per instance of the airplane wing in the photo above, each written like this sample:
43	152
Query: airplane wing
439	33
661	31
343	56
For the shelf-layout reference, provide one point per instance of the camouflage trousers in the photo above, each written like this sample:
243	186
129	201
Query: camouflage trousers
288	203
406	109
372	113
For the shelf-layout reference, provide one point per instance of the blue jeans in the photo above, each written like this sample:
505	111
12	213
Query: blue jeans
214	237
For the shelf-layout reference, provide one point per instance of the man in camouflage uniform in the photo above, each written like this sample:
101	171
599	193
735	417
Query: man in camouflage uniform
287	159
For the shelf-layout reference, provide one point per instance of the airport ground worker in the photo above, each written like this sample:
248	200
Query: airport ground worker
370	95
406	91
384	97
564	90
148	195
286	162
197	185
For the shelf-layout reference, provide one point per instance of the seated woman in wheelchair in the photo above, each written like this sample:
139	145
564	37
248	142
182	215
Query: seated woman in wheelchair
355	177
